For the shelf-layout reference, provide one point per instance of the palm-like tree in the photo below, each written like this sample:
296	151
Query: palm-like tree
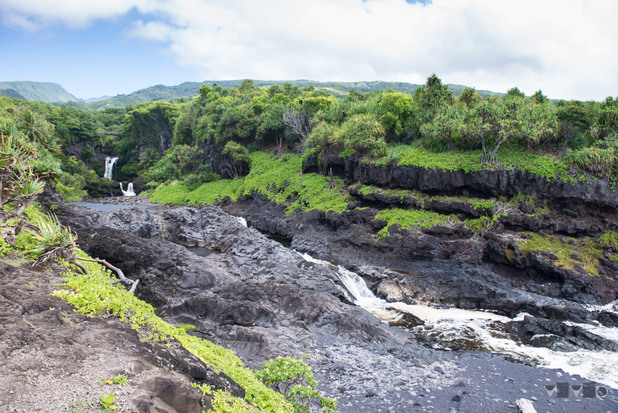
37	129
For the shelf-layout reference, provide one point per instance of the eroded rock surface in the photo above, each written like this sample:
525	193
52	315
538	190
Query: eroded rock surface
262	300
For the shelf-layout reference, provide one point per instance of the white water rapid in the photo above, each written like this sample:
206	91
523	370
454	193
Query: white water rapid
109	166
129	191
361	295
483	330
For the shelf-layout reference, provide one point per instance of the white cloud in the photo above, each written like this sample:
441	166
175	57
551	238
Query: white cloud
567	48
34	14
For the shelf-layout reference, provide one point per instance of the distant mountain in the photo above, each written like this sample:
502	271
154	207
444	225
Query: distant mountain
39	91
12	93
190	90
96	99
152	93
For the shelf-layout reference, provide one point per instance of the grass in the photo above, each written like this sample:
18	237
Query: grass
510	156
569	255
609	240
411	218
278	179
177	193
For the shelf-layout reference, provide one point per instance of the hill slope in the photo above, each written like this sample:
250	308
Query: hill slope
190	89
40	91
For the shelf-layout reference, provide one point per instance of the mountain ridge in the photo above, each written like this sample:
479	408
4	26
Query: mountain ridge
47	92
55	93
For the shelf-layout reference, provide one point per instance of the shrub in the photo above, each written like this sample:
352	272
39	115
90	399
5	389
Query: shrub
363	135
87	153
294	379
130	169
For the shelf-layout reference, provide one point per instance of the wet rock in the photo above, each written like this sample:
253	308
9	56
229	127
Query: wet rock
484	183
558	335
251	294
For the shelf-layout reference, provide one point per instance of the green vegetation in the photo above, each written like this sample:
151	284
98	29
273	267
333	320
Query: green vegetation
188	90
279	179
294	379
411	218
511	156
93	295
257	137
120	379
567	253
41	91
107	401
425	126
609	240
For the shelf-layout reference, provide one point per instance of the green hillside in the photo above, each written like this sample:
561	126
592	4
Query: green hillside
12	93
190	89
37	91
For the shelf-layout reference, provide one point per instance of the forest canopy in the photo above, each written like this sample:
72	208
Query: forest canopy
165	141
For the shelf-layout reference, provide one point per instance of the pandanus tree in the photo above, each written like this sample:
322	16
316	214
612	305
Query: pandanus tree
524	119
495	121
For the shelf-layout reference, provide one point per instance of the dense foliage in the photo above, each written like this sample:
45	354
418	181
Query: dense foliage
162	142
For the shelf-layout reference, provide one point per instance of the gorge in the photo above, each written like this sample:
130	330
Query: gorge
374	238
262	299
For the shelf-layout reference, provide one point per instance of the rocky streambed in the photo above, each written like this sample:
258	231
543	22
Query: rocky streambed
262	299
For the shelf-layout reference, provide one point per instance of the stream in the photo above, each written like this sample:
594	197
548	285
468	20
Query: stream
453	328
363	375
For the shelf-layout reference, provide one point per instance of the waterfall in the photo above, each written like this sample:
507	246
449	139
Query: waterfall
109	166
129	191
361	295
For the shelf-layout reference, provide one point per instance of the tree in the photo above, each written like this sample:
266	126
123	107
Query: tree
469	97
37	129
363	135
151	124
272	125
396	114
239	158
608	118
248	88
575	119
299	121
149	157
177	162
539	97
482	121
294	379
524	119
445	124
514	92
432	98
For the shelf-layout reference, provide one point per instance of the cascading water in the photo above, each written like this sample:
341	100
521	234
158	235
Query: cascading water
129	191
483	330
109	166
361	295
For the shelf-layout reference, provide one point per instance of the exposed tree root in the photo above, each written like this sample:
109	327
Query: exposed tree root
121	276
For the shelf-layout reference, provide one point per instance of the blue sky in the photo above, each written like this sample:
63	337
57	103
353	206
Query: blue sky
93	48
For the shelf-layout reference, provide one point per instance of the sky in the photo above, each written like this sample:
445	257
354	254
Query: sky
566	48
